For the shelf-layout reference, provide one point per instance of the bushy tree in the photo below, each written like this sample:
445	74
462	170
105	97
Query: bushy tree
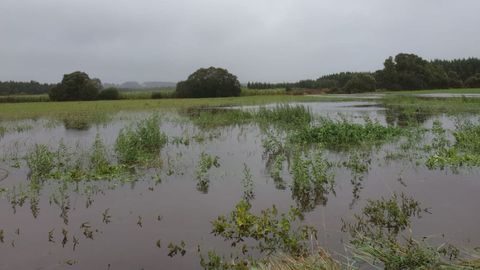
110	93
360	83
76	86
473	81
410	72
209	82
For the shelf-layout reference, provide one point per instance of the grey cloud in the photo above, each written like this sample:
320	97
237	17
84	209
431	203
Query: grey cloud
262	40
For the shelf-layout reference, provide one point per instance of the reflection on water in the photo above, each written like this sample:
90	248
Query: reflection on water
128	224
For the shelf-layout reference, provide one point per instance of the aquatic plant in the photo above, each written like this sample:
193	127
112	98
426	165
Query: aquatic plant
174	249
312	180
285	115
40	161
384	218
141	143
376	237
464	152
248	186
271	232
467	138
339	135
207	118
205	163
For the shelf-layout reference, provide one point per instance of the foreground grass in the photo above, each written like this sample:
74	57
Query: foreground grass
55	109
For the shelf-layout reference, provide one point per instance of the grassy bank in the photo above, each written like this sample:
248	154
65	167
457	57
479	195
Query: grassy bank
436	91
46	109
433	105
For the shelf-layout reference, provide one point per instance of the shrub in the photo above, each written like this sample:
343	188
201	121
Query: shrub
109	94
156	95
209	82
360	83
76	86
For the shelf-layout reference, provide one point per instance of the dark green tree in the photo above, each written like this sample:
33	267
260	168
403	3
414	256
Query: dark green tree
76	86
209	82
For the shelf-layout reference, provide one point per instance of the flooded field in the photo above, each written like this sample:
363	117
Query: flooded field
185	189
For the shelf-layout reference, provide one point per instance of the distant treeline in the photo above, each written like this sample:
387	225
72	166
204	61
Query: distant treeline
31	88
402	72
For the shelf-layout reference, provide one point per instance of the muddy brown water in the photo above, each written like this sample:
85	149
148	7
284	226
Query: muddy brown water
452	197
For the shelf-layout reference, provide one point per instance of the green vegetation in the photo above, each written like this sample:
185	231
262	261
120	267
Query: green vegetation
209	82
464	152
140	144
205	163
313	180
64	164
344	135
378	238
267	233
433	105
285	115
436	91
56	109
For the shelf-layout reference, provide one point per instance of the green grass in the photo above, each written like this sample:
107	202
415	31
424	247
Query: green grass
433	105
56	109
436	91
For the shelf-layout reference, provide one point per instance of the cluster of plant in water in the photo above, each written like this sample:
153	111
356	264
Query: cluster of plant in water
266	233
140	144
378	237
345	135
205	163
465	151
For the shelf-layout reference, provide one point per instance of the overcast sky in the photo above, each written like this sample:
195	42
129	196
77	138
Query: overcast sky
257	40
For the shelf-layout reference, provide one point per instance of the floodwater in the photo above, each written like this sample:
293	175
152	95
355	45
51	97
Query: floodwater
173	210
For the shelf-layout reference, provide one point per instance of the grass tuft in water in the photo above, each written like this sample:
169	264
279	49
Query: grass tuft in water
40	161
205	163
313	180
285	115
464	152
340	135
141	143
